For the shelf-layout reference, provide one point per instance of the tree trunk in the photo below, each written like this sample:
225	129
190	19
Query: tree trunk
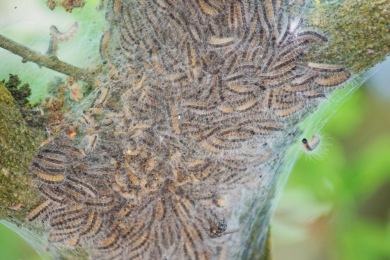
179	150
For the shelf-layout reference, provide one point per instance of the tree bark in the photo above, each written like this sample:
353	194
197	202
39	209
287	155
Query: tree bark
358	34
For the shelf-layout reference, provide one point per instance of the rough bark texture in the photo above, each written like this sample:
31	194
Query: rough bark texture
188	128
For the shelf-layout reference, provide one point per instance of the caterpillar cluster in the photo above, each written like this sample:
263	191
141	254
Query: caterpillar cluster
199	93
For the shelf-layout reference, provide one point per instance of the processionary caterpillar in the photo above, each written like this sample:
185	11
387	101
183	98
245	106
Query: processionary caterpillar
309	146
57	36
62	37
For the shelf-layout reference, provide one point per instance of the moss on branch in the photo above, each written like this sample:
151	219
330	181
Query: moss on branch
359	32
18	145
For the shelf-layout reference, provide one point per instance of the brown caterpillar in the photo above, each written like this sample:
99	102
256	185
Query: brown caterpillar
39	210
336	79
309	146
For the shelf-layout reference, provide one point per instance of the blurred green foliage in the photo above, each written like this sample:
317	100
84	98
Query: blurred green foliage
344	201
13	247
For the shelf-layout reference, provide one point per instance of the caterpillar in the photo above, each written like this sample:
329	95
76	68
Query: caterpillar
63	37
39	210
57	36
309	146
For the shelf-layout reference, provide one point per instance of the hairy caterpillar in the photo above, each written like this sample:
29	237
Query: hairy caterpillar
62	37
57	36
309	146
39	210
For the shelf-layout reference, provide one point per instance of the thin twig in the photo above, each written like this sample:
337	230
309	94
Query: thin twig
45	61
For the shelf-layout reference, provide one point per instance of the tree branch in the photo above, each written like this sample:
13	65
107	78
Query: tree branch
52	63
